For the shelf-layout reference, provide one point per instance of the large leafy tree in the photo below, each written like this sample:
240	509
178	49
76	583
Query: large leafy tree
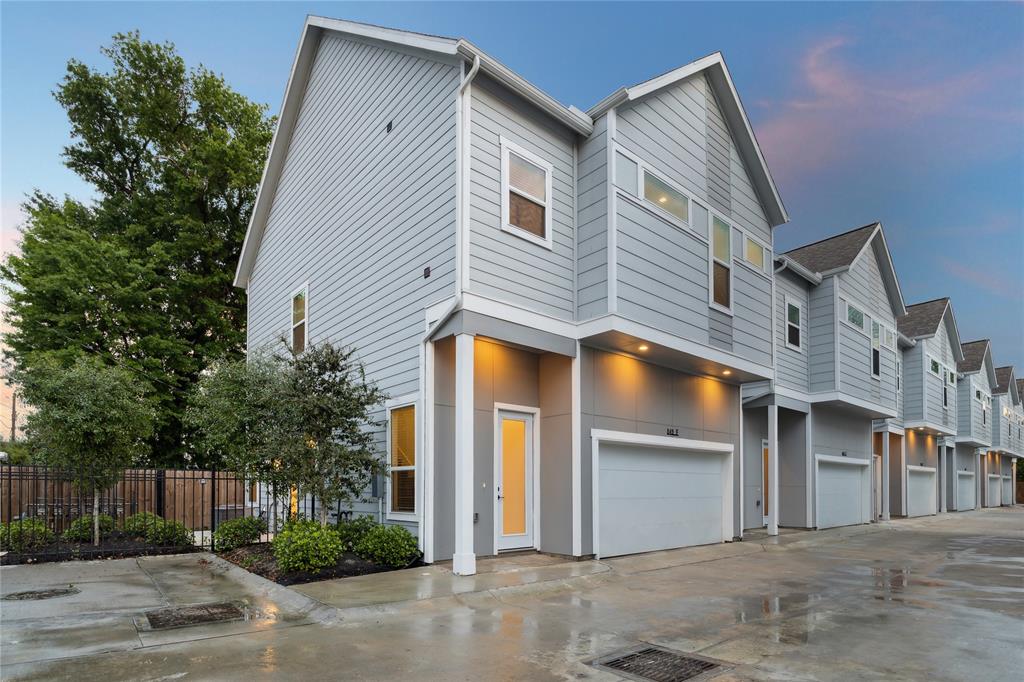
141	276
91	422
302	421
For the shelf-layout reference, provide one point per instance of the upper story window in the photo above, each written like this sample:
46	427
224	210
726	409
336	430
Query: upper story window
721	264
899	376
300	331
402	460
666	198
526	194
951	377
876	350
933	365
855	316
793	314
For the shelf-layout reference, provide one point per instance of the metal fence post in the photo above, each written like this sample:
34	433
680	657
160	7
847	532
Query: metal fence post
160	493
213	507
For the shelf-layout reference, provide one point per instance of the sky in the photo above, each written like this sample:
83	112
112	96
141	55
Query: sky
911	114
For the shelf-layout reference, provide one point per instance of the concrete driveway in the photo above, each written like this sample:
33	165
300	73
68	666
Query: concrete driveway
939	598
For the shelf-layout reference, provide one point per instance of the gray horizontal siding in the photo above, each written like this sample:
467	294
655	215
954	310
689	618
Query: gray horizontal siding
502	265
792	367
913	389
822	333
348	194
592	223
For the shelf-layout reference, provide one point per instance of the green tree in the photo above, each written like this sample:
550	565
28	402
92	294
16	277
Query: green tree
293	420
142	276
91	421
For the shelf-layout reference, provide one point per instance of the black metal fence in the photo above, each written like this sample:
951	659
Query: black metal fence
46	515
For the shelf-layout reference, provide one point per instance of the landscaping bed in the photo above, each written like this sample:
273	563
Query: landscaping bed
114	546
259	559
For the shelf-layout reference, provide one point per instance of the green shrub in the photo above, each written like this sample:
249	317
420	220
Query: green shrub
136	525
238	532
23	536
169	533
392	546
80	530
352	532
306	546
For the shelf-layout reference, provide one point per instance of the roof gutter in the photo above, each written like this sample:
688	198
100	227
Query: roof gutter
571	117
799	270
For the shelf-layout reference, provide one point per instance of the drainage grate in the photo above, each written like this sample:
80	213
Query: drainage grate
197	614
41	594
655	663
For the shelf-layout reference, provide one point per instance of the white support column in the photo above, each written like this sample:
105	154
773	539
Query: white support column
1013	481
903	475
885	476
773	469
943	474
979	473
464	561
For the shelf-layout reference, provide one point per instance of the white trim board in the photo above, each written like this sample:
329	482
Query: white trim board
534	412
599	436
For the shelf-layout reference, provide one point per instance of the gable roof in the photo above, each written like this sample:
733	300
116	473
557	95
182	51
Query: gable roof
1004	377
449	48
842	251
974	356
735	115
923	319
1020	387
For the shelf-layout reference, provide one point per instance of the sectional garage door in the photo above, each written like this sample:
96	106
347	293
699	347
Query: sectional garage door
1007	497
843	491
993	490
965	490
650	498
921	492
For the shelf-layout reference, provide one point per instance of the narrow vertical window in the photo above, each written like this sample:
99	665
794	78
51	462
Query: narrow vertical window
876	353
526	194
792	325
403	460
299	331
945	396
721	263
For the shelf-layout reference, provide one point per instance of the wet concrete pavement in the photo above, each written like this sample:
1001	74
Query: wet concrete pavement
938	598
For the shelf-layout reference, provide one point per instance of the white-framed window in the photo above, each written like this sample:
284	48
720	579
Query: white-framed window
855	316
667	198
889	341
300	327
945	395
876	350
525	194
899	376
934	367
950	377
794	314
721	264
756	255
402	459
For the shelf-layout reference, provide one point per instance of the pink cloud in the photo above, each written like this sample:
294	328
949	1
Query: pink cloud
991	281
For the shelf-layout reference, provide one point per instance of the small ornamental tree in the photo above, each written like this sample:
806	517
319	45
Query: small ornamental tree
292	420
90	420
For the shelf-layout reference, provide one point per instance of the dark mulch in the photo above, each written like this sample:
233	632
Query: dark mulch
259	559
116	546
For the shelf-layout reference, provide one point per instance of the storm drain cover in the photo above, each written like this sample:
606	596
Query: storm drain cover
655	663
196	614
41	594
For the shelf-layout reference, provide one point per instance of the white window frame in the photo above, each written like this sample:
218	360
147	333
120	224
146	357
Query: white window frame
304	290
935	372
899	376
787	301
876	344
846	317
636	194
507	147
410	400
765	270
643	169
712	260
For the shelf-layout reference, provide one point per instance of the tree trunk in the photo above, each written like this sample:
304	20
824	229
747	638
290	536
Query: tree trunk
323	515
96	518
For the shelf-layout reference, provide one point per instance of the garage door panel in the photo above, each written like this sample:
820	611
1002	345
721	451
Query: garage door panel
841	494
993	491
658	498
965	491
1007	496
921	493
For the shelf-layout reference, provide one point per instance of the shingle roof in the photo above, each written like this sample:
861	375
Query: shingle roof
1020	387
835	252
1003	375
974	356
922	319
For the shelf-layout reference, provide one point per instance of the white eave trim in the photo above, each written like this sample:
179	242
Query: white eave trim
797	269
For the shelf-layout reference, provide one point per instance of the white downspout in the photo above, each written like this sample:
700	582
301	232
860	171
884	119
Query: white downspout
462	166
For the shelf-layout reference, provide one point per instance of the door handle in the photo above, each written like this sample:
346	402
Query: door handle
500	496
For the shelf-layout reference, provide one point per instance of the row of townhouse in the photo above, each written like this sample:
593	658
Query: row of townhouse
589	344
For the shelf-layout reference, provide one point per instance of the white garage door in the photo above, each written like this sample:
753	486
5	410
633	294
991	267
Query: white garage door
994	484
965	490
843	492
1007	491
652	498
921	491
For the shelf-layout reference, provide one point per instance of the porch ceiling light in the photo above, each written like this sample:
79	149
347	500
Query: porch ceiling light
643	347
726	372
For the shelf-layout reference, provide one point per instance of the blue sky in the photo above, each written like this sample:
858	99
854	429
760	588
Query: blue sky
912	114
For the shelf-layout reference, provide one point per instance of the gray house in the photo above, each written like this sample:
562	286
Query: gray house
998	466
562	305
808	433
977	376
930	418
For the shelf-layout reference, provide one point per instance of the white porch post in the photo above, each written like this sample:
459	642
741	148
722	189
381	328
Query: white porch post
978	475
1013	481
943	473
885	476
903	475
464	560
773	469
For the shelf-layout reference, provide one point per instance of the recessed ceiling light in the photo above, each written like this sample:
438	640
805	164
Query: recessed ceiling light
727	372
643	347
662	200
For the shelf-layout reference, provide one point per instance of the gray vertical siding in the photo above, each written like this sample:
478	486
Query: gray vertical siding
792	367
939	348
822	316
349	192
592	223
502	265
719	158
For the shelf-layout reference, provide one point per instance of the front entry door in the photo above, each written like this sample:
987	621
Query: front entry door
764	481
514	481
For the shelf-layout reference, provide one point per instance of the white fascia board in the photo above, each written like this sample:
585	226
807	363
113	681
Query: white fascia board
573	118
924	424
837	459
630	438
922	469
420	41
